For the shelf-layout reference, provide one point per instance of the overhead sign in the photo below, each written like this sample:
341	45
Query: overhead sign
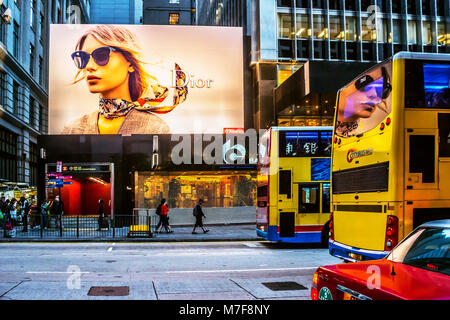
158	79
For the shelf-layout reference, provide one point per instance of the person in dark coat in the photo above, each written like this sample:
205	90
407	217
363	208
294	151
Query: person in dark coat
57	210
198	213
24	212
101	214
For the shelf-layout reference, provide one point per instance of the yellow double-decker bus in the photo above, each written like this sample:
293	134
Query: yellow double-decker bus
391	154
294	184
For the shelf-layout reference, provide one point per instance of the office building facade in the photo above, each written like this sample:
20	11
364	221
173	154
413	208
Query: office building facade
286	34
116	12
24	86
173	12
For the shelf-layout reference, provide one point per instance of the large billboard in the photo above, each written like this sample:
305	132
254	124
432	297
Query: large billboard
134	79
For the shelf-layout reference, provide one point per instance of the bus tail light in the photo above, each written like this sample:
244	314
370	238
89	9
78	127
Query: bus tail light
314	295
391	233
388	121
331	227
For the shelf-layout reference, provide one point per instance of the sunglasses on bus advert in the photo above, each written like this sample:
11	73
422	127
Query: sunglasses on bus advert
100	56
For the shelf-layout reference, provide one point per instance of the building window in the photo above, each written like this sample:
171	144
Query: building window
285	28
319	30
442	35
335	5
32	13
8	155
174	1
350	29
285	48
303	49
32	53
41	70
426	7
16	39
32	113
382	4
440	6
17	2
302	3
350	5
303	31
365	4
174	18
397	6
426	33
382	32
219	190
2	88
42	119
42	29
16	100
336	32
411	6
367	34
319	4
412	32
397	31
284	3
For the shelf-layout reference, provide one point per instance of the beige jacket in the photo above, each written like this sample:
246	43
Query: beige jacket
136	122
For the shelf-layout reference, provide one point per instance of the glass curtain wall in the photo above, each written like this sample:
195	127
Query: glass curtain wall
349	31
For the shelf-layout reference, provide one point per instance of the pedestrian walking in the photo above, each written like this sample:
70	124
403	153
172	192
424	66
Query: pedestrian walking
198	214
164	218
24	212
45	212
11	211
101	215
57	210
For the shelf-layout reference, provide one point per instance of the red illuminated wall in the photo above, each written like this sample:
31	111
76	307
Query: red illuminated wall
71	196
82	198
92	192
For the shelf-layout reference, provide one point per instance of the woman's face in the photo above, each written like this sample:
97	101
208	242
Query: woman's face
111	80
365	102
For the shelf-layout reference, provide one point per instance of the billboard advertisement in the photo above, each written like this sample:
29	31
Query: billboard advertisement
145	79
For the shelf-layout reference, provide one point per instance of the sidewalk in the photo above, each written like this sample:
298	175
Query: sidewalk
233	232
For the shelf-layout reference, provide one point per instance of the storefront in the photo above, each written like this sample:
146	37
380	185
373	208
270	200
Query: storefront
135	172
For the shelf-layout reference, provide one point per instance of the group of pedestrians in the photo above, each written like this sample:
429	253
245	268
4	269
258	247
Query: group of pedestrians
14	213
162	211
52	210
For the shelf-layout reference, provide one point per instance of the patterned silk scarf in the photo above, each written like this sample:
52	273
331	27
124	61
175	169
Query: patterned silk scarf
114	108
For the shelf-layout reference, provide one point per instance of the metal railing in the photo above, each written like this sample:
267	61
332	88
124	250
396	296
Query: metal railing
78	227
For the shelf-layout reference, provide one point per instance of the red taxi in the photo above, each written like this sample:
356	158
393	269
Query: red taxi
418	268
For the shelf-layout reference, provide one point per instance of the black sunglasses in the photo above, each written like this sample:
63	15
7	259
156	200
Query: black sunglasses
363	84
100	56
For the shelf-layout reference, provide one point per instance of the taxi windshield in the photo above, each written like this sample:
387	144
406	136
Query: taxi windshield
427	248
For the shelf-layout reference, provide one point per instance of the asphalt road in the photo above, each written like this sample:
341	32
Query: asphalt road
251	270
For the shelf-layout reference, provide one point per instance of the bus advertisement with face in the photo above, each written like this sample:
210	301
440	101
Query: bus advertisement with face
389	158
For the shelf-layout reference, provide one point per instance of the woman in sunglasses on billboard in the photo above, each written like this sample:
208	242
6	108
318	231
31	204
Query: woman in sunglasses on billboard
108	58
364	104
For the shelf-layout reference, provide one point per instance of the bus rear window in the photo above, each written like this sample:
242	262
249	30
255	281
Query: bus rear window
305	144
427	84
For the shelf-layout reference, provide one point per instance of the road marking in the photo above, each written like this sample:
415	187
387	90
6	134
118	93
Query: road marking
110	249
242	270
50	272
252	245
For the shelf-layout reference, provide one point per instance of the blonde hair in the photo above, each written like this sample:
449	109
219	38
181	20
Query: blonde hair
140	82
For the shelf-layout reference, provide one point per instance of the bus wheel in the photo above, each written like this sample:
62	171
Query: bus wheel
325	236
